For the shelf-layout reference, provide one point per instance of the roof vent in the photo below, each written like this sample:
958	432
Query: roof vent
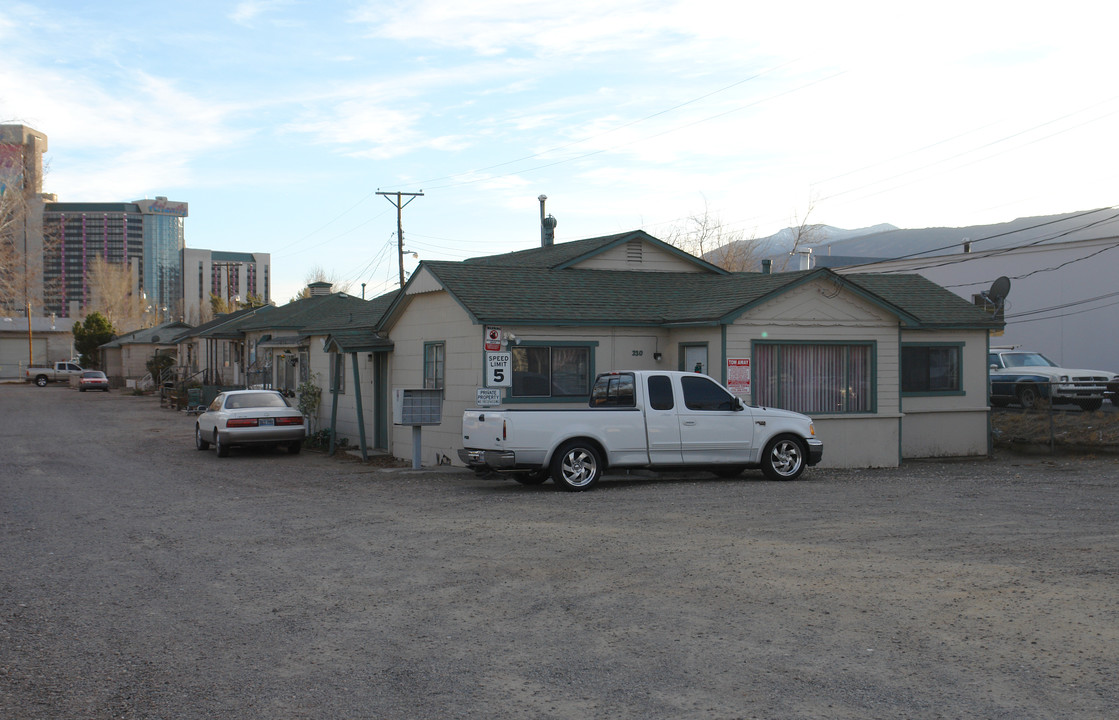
320	288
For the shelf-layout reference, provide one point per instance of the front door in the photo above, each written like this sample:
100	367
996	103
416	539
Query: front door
695	359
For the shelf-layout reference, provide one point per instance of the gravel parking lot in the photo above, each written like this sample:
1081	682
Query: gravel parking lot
141	578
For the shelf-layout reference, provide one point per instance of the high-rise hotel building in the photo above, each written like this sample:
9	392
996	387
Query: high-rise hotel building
146	236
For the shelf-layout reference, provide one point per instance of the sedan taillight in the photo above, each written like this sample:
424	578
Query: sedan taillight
241	422
289	421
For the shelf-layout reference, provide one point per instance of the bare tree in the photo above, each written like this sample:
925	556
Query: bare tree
707	236
316	273
114	295
803	234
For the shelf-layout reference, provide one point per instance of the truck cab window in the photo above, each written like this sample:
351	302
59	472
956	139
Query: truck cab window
660	392
700	393
613	391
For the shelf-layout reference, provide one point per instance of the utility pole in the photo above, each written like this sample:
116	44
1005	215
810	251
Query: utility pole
399	227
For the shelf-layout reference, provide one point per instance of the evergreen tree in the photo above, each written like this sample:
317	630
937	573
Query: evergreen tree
90	335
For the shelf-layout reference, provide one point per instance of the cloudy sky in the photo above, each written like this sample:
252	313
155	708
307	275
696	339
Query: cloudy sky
279	120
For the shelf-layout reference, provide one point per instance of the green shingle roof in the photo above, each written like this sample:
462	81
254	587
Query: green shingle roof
538	295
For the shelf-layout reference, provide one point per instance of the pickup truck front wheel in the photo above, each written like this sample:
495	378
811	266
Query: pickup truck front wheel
784	459
576	466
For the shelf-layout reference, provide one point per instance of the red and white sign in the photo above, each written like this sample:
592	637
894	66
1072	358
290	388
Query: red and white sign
738	375
493	338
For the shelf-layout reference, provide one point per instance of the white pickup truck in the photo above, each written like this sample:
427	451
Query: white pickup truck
58	372
640	419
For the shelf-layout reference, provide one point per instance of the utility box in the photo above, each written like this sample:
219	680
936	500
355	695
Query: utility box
420	406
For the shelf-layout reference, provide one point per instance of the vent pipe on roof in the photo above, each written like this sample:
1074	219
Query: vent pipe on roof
547	225
805	258
320	288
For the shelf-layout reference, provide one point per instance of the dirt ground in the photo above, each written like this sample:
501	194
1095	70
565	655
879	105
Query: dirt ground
141	578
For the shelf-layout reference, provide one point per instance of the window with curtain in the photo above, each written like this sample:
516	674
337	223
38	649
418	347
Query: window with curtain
811	378
930	369
551	371
435	365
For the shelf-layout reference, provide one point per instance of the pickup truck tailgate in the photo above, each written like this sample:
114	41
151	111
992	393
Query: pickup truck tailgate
483	430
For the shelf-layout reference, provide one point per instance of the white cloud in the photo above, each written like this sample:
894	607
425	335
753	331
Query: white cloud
247	11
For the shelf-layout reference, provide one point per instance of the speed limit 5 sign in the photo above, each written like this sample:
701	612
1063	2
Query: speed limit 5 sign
499	369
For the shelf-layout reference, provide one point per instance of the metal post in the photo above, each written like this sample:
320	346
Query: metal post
417	447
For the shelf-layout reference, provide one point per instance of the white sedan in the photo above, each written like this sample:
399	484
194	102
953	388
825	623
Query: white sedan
249	417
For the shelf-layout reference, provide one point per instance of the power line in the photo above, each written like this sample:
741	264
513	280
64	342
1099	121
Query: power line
993	237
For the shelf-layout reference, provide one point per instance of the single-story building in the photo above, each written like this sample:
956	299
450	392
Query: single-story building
889	366
51	339
126	357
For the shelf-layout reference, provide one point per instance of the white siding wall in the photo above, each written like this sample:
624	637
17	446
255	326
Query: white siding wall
949	425
817	313
649	259
346	421
436	317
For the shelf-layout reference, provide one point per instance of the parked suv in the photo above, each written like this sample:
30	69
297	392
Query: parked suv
1028	378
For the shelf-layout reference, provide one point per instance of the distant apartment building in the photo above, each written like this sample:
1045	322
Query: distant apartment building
232	276
146	236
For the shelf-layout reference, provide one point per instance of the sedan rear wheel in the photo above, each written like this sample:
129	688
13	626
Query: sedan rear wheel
294	447
221	448
199	442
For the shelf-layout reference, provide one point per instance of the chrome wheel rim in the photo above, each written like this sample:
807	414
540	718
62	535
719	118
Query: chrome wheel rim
786	458
578	467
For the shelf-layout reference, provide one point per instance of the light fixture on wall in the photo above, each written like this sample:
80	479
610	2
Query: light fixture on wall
657	356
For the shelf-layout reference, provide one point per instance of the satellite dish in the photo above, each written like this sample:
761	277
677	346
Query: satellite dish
1000	288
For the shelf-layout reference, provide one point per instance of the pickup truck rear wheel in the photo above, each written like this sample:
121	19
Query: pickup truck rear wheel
784	458
41	380
576	466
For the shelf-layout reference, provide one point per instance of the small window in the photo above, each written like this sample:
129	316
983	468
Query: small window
660	393
434	365
930	369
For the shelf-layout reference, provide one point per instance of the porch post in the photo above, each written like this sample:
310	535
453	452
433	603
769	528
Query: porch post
334	399
360	414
